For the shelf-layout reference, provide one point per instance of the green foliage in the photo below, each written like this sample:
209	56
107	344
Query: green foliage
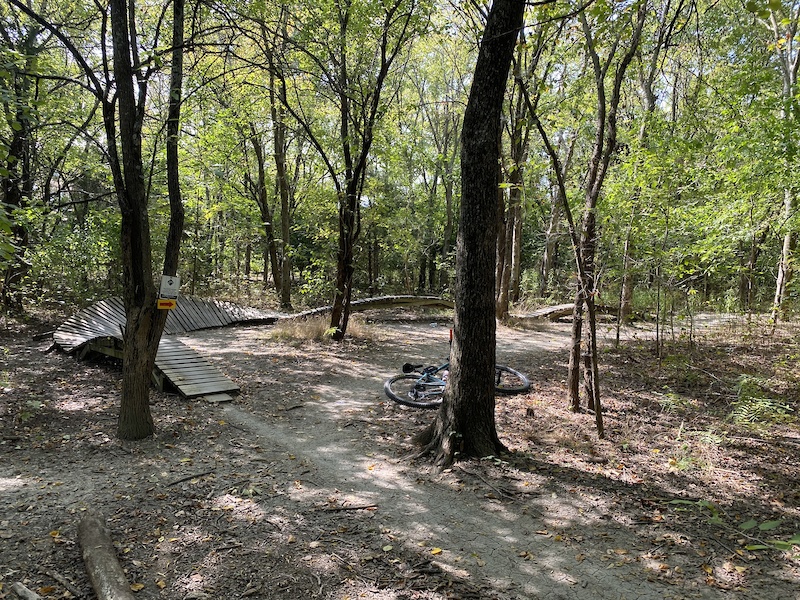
7	247
695	188
750	530
674	403
754	405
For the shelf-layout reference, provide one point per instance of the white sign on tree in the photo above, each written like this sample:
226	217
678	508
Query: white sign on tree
170	286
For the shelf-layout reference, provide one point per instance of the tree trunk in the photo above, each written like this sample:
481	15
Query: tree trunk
126	107
784	28
349	227
16	185
550	246
785	265
465	423
516	252
597	168
573	369
280	131
260	195
501	254
142	331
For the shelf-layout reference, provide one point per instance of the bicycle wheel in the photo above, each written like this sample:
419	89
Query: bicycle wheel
509	381
412	390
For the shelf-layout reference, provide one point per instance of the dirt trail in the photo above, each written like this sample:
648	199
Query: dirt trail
505	544
303	486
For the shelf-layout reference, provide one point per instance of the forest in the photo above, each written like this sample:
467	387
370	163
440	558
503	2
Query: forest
630	164
314	147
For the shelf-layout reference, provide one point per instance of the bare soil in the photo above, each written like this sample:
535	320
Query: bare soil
306	486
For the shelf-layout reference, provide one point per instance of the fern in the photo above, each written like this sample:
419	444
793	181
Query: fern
754	406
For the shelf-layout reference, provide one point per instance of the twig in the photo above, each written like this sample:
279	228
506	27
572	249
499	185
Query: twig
187	478
499	491
723	546
63	581
341	508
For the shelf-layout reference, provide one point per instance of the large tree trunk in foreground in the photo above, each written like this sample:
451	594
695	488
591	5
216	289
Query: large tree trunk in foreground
465	423
144	322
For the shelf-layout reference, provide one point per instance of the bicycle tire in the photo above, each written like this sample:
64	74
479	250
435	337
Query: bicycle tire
401	389
509	381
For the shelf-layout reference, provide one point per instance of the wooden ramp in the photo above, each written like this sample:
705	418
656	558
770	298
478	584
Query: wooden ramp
99	328
191	374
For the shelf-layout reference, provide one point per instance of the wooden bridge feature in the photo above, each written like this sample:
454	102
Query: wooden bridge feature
191	374
99	328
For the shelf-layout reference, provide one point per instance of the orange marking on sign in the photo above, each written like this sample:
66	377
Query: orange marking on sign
166	304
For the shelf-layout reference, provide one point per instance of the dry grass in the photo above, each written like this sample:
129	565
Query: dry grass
318	329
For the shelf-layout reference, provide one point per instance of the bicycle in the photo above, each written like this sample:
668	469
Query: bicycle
423	387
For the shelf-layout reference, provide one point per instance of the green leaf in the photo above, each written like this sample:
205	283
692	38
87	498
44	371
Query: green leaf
747	525
795	539
757	547
770	525
780	544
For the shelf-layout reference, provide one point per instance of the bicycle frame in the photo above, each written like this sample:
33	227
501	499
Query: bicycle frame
428	377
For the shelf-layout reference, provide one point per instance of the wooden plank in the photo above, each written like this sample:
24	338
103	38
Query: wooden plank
189	373
88	321
183	384
176	359
176	367
202	390
182	365
226	315
108	312
177	376
190	314
98	326
216	314
189	370
193	315
176	319
175	355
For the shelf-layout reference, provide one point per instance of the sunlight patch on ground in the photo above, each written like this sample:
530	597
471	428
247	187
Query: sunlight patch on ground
242	509
12	483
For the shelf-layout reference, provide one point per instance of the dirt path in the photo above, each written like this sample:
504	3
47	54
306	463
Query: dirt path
501	542
303	487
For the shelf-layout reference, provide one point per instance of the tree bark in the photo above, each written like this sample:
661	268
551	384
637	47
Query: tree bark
278	102
465	424
261	197
143	324
784	28
100	557
16	187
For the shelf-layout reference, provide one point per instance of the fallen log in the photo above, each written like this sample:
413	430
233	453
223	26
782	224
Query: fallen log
379	302
561	311
100	558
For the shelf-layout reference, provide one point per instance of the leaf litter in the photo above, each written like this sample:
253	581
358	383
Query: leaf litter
676	491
